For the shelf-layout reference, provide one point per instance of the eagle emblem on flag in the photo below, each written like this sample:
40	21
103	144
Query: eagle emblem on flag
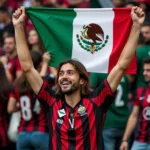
92	38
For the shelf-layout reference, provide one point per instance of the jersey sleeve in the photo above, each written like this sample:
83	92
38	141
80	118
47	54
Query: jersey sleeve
136	101
103	96
46	94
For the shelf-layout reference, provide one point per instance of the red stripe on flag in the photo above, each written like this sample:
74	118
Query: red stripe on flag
121	28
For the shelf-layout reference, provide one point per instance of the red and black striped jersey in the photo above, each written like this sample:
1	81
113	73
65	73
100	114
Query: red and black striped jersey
78	128
143	101
14	66
3	124
33	116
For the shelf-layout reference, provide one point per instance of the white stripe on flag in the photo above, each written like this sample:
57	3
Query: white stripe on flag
99	61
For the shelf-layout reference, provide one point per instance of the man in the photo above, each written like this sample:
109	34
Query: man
117	114
75	113
141	108
141	53
5	19
13	64
145	30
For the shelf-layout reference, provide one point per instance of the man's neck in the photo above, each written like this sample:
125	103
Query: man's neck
73	99
12	55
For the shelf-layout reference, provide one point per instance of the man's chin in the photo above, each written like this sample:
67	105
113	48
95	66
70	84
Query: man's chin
65	91
68	92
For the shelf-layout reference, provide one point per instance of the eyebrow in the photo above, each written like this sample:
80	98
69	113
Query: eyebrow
66	70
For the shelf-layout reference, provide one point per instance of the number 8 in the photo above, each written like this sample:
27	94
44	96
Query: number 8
25	108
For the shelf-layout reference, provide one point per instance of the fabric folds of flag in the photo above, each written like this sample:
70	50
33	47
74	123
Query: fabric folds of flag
95	37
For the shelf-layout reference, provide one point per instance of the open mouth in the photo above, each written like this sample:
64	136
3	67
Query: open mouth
65	83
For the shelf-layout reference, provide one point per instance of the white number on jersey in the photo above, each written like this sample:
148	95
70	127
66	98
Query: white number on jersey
118	101
37	107
26	107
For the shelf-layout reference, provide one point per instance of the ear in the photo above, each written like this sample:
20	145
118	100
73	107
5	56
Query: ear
82	81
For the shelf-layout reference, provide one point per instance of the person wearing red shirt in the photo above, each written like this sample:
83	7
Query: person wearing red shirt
141	108
76	113
33	127
13	64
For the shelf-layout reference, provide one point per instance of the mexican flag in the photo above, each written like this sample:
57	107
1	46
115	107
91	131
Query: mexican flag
95	37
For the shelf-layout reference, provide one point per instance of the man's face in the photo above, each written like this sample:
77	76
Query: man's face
146	72
145	30
9	44
68	79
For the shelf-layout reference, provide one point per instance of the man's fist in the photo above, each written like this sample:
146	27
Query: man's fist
18	16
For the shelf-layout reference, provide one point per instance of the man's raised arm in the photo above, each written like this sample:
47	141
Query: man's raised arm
124	61
30	72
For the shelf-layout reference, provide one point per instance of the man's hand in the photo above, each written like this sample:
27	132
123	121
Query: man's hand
18	16
137	15
124	145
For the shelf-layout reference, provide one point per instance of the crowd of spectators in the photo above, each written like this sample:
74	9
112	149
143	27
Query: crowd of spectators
9	62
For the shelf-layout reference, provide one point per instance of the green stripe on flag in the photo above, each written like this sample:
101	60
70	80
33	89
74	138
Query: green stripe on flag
55	28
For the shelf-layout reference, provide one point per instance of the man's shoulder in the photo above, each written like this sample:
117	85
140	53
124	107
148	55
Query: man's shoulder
103	87
46	87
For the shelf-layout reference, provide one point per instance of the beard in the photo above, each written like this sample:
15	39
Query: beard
74	87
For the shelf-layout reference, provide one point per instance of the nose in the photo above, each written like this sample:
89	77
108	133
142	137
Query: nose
65	75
